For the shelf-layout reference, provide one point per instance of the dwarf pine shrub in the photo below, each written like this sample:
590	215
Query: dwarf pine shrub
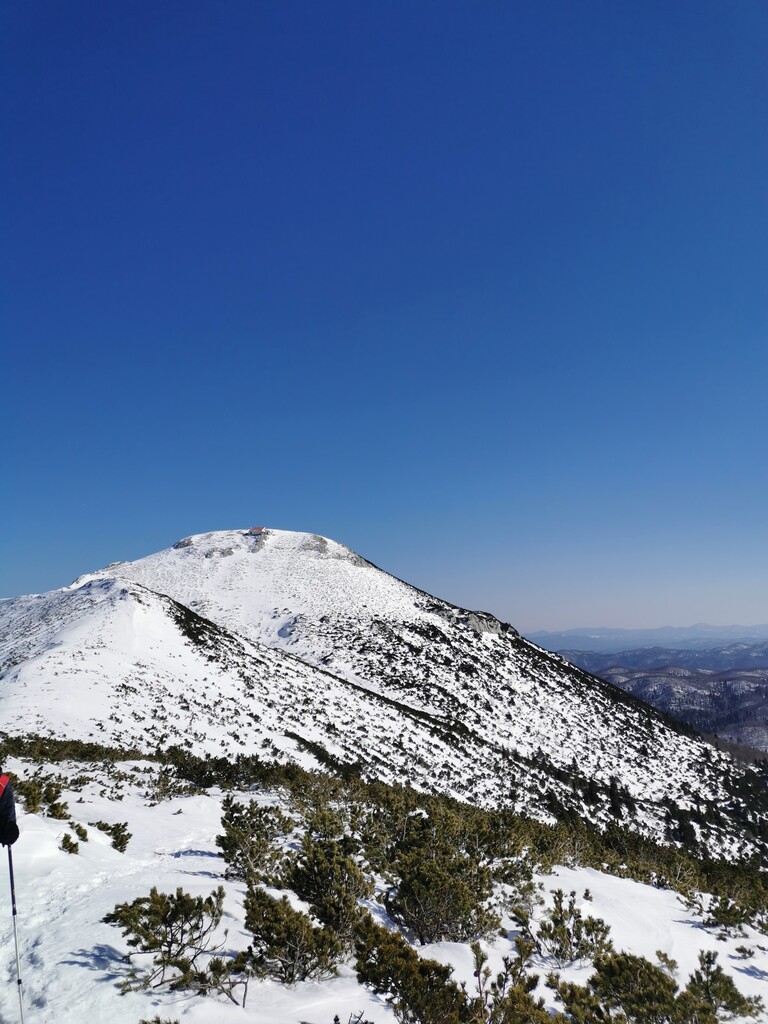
31	793
249	837
166	784
711	987
632	990
508	997
41	794
286	945
79	830
68	844
727	916
331	883
441	895
420	991
563	934
175	930
118	832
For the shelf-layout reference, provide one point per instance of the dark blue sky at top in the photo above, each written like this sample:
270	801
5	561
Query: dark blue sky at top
477	288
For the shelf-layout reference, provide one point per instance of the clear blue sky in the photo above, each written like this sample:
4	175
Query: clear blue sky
478	289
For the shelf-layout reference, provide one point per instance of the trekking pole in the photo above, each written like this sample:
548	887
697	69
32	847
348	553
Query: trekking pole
16	935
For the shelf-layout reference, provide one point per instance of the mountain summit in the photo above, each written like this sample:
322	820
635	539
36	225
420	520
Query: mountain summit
292	646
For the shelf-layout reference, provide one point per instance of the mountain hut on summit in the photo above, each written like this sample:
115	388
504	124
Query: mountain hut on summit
255	531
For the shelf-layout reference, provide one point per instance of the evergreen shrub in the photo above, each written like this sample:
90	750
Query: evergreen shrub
249	836
176	932
286	945
331	882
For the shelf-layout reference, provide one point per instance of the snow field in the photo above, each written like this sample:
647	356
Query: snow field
72	962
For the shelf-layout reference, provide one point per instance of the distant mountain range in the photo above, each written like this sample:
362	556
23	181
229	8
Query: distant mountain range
732	705
712	659
690	638
721	689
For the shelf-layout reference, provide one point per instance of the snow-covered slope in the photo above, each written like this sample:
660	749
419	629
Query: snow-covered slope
282	588
72	962
307	651
114	661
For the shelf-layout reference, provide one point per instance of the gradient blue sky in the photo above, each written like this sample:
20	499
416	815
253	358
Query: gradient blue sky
477	288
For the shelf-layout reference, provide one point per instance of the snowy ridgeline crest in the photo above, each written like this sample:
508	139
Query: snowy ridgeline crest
292	646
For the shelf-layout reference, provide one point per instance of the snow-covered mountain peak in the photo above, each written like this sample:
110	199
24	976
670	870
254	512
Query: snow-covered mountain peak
267	553
254	640
274	586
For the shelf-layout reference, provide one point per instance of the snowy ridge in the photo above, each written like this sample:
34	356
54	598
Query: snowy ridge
309	652
142	671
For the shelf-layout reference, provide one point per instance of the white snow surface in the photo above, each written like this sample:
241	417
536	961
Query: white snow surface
257	586
72	963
